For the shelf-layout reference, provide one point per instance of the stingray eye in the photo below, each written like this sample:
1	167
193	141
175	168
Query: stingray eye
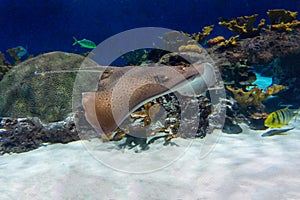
161	78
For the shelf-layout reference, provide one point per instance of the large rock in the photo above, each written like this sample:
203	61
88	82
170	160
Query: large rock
46	96
24	134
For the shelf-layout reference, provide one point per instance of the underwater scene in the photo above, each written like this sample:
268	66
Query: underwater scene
152	99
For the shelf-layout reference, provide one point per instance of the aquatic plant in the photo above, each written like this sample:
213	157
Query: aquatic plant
283	20
243	26
254	96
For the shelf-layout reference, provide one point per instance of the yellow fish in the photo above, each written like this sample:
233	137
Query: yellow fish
280	118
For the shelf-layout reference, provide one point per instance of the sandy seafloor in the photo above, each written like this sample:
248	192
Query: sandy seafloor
222	166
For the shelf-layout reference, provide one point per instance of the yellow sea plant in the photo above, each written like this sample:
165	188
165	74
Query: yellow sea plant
200	36
283	20
243	26
254	96
232	41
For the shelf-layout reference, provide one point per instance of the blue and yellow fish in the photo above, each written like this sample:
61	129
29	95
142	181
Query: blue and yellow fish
85	43
280	118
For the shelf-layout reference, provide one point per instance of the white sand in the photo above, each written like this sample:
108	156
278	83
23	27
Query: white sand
244	166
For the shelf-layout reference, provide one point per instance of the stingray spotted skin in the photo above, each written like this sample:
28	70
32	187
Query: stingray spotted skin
124	89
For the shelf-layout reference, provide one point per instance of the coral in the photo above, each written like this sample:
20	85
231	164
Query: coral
2	58
24	134
13	54
258	115
49	96
239	74
255	96
283	20
173	40
278	16
158	119
232	41
190	47
215	40
243	26
5	66
285	26
136	57
200	36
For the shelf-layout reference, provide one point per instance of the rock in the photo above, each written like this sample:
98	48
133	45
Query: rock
257	124
286	72
46	96
24	134
231	128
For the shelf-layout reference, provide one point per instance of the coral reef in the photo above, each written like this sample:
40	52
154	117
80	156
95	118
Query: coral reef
5	66
174	39
286	72
14	56
243	26
255	96
136	57
242	73
232	41
262	49
283	20
49	96
236	58
200	36
215	40
24	134
161	119
190	47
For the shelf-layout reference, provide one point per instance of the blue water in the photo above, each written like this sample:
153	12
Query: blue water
261	82
50	25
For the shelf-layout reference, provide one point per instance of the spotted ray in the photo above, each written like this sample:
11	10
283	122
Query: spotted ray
124	89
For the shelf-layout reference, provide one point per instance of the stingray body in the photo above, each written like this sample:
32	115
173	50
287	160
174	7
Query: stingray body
121	90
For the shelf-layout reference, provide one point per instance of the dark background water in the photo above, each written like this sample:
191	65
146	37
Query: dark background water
50	25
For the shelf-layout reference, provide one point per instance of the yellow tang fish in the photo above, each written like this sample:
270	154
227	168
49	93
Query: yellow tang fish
280	118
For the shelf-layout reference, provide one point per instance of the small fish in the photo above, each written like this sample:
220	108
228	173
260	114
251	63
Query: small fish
273	132
280	118
20	51
84	43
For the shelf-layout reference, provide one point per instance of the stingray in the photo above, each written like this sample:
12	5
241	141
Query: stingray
122	90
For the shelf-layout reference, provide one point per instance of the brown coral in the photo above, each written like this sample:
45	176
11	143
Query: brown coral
215	40
200	36
190	47
5	66
283	20
278	16
255	96
13	54
243	26
230	42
